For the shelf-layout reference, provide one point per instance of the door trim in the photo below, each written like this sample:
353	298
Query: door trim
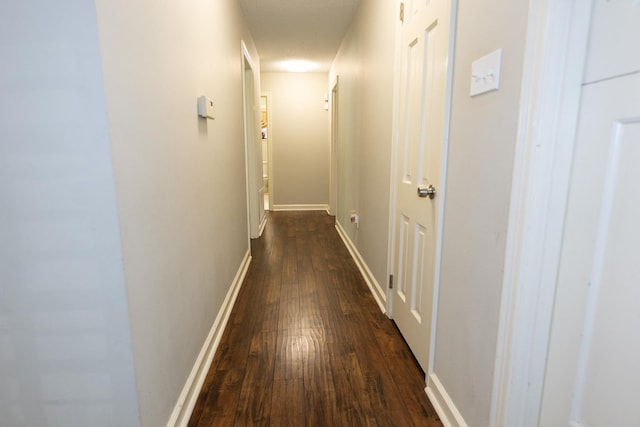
250	127
393	168
333	154
555	52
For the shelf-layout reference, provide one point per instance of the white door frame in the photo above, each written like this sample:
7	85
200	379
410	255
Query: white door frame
555	52
251	157
269	148
443	182
333	155
393	168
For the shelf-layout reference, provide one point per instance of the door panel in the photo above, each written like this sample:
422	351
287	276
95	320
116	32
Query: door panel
425	49
615	32
592	372
592	375
402	257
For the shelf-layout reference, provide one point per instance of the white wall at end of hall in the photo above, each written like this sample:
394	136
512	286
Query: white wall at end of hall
299	137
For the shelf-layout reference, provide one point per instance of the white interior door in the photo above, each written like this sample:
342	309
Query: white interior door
592	370
422	130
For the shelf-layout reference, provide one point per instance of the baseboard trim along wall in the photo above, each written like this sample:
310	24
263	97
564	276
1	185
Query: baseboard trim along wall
374	286
442	403
187	400
300	207
263	224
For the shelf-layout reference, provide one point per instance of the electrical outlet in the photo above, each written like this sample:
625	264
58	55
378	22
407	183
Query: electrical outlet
354	219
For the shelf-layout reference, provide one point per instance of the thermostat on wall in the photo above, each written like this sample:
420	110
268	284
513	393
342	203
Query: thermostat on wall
205	107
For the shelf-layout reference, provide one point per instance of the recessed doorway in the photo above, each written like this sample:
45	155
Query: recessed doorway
267	167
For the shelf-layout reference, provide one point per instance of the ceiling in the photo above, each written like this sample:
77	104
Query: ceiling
308	30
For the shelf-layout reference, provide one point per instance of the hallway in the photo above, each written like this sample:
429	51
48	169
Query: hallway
306	344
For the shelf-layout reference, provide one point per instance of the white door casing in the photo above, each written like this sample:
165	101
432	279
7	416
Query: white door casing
591	373
555	52
269	150
521	360
422	132
333	155
253	149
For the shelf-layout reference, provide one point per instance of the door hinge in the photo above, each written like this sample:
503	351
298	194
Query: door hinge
402	11
391	281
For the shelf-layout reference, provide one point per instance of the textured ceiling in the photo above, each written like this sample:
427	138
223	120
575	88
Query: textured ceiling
298	29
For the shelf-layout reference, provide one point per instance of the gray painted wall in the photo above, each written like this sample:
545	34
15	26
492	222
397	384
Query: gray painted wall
65	348
180	179
123	219
481	149
365	67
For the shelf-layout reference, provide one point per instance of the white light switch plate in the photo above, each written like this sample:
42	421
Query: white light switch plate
485	73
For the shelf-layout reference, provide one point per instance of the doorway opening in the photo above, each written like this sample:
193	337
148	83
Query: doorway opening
267	165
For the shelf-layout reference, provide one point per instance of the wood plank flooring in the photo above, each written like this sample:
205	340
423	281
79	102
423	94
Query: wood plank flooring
306	344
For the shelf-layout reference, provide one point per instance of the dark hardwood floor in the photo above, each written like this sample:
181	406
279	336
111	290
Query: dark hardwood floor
306	344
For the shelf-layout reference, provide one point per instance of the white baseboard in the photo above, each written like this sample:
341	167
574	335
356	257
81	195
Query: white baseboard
263	224
442	403
187	399
300	207
379	295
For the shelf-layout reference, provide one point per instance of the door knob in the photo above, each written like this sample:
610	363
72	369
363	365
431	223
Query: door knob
424	191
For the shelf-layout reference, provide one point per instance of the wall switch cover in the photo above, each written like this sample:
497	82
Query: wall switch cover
205	107
485	73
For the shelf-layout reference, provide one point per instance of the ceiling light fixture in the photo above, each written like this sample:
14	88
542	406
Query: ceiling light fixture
298	65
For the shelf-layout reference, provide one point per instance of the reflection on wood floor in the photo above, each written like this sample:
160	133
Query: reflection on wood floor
306	344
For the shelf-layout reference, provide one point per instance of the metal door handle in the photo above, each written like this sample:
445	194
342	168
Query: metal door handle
424	191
